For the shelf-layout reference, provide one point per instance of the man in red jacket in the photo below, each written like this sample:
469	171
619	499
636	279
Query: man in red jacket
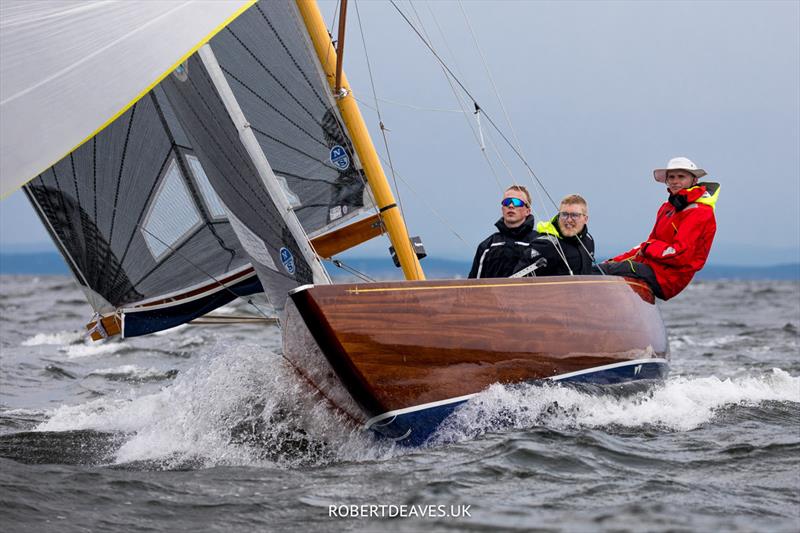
680	241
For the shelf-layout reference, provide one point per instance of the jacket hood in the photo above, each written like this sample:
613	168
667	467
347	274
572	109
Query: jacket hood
702	193
551	227
526	227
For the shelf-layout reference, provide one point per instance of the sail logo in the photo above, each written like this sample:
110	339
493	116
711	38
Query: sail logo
288	260
339	158
182	72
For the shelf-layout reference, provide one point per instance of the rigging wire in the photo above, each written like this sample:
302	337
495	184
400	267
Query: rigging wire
333	20
458	96
347	268
468	93
382	126
490	76
438	215
515	148
409	106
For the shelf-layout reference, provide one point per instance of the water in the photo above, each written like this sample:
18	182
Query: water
205	429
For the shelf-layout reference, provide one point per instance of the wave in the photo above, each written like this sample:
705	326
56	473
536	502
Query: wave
239	407
243	406
133	374
680	404
60	338
89	350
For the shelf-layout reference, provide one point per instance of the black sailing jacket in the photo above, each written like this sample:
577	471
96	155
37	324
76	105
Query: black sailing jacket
550	244
499	255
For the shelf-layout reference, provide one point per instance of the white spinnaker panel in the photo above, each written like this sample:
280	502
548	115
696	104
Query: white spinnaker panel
67	67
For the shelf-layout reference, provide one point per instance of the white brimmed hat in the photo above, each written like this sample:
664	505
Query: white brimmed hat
678	163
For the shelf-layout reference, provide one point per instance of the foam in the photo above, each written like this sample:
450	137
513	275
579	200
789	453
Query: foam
248	388
60	338
89	350
129	371
242	405
681	404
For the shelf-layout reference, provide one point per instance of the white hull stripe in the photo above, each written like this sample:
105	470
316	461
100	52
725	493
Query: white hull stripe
375	419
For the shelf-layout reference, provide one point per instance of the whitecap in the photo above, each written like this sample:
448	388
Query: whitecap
60	338
132	373
680	404
237	407
88	350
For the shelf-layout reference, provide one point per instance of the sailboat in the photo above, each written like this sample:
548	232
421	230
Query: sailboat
245	164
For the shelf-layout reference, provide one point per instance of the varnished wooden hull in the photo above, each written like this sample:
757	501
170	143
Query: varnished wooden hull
404	349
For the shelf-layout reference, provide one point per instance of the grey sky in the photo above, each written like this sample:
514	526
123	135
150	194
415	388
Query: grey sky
599	93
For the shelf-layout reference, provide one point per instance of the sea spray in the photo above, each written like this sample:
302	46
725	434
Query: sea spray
680	404
238	406
59	338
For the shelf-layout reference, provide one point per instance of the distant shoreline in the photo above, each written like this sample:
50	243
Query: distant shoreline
51	263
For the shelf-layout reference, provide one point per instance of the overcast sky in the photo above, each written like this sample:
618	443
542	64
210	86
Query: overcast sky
599	94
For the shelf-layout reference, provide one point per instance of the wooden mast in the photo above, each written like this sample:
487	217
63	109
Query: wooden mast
362	142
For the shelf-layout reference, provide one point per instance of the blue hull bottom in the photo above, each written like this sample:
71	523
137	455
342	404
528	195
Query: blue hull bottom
145	322
413	426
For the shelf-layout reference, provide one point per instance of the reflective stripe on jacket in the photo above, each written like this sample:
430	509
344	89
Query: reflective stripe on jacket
499	254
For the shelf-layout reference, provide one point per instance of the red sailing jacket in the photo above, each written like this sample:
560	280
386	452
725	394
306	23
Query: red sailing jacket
681	239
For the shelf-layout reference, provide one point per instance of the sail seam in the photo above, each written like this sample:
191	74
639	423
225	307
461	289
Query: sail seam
279	112
119	182
289	54
153	187
242	195
155	82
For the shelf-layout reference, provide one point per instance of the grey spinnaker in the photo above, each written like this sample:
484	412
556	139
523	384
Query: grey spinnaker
259	224
260	111
139	225
166	201
273	71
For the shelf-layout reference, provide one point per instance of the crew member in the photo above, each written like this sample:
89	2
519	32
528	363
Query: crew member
564	245
499	255
681	239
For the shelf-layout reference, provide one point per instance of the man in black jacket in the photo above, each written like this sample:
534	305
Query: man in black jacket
564	243
499	255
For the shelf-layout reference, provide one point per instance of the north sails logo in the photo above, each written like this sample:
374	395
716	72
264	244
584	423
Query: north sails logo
288	260
182	72
339	158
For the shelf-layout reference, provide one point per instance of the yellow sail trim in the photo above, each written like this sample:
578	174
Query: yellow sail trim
150	87
362	142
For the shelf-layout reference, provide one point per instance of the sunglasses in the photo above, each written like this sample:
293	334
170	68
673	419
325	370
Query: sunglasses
565	215
515	202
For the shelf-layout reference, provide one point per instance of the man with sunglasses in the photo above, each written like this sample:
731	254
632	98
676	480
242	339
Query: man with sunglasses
681	239
564	242
499	255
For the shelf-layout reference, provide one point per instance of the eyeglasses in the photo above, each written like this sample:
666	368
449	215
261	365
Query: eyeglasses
565	215
516	202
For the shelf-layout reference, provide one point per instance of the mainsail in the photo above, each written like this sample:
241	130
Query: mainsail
237	158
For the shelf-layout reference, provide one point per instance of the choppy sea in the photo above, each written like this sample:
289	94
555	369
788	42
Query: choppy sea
203	428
